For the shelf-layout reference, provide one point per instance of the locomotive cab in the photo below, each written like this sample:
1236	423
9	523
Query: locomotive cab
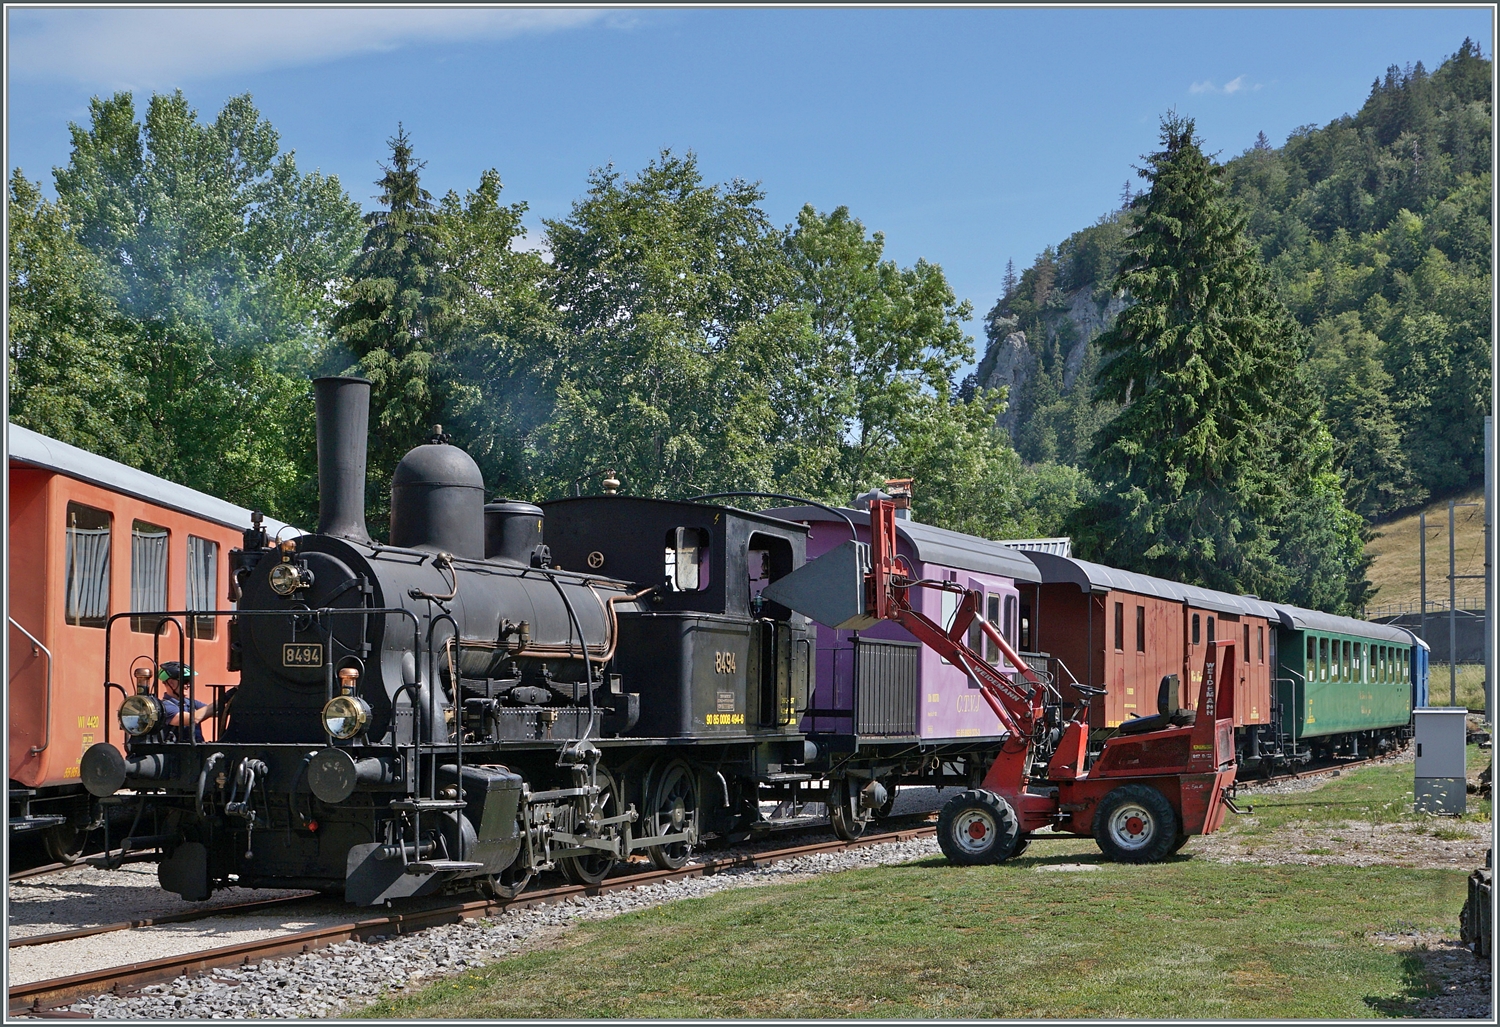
712	658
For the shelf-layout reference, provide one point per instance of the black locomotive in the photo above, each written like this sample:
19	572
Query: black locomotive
468	704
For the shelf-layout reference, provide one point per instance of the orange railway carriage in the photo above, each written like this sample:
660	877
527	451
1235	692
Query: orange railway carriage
90	538
1125	632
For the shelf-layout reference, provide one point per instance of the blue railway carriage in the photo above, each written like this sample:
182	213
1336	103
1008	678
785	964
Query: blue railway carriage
1421	657
1344	686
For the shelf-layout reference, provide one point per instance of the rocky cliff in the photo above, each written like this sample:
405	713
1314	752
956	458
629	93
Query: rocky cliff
1071	321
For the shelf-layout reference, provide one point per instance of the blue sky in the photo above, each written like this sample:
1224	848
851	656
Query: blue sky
968	136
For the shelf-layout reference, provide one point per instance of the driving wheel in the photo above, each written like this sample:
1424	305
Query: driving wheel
593	867
674	802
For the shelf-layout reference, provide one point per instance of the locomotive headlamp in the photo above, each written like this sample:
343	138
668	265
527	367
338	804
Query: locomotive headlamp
345	716
286	578
140	714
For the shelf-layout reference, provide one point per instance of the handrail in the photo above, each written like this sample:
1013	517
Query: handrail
47	721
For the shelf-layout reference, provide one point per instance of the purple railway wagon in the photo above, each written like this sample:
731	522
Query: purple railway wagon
880	683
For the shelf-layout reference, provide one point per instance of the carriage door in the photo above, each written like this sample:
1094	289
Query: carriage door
781	692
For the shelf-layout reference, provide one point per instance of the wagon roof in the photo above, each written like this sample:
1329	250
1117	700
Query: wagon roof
1095	577
1294	618
932	544
37	450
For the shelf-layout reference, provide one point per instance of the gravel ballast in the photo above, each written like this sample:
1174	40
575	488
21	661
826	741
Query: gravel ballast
90	896
354	974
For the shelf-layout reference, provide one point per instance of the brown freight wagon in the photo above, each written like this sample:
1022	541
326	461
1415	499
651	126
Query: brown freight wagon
1126	632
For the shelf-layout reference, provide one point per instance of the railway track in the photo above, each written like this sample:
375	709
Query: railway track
91	861
43	998
257	906
1252	783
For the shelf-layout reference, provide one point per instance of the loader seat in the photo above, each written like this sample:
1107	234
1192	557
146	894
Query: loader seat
1168	713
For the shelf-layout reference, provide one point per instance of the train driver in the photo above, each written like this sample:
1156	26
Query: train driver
174	706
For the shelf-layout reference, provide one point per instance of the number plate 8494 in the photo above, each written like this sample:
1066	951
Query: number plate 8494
302	654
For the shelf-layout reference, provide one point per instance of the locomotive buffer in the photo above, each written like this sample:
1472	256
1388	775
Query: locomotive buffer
1156	783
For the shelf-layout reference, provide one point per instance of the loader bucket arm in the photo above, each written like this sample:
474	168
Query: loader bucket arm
889	598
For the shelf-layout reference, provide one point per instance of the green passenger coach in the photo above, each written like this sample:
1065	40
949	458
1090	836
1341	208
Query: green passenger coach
1344	677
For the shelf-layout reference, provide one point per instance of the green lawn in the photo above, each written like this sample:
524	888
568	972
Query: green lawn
1182	939
1376	795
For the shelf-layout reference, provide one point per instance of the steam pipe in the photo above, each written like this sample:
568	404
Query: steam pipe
343	412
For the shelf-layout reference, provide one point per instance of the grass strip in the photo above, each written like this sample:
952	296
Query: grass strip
1185	939
1371	795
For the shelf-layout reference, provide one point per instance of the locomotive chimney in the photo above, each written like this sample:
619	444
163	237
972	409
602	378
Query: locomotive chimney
343	406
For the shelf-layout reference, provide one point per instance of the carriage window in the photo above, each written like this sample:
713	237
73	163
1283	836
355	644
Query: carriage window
977	640
1140	629
1322	659
1312	659
87	566
1359	661
1406	666
1119	627
202	583
1334	662
1348	667
1009	628
148	573
1026	643
687	560
992	614
1260	644
1210	631
1245	653
1195	629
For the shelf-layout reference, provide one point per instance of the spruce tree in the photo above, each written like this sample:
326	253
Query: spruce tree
396	309
1209	470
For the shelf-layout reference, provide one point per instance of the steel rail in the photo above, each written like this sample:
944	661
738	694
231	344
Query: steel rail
255	905
42	998
96	860
1250	784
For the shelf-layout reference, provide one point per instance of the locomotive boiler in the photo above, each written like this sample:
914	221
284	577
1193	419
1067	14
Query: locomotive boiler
454	709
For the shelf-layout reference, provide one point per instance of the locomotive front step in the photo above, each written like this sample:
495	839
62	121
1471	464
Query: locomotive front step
442	866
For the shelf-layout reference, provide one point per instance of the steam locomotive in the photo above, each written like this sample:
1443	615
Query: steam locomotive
455	710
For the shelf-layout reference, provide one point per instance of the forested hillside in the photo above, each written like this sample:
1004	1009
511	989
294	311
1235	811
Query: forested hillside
1375	230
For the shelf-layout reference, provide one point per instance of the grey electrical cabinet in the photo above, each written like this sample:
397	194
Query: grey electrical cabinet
1441	773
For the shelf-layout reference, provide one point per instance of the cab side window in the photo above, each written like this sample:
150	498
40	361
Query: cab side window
686	562
87	560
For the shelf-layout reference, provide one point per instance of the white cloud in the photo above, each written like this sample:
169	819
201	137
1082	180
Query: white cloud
1242	84
162	47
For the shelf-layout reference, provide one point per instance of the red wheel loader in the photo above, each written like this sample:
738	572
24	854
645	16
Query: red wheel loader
1157	782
